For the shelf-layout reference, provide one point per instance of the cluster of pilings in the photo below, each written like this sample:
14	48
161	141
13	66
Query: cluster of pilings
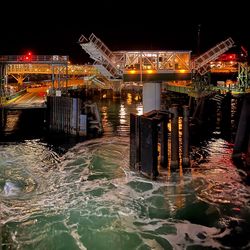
212	112
150	130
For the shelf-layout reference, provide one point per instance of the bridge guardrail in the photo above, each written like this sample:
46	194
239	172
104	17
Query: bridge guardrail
10	97
33	58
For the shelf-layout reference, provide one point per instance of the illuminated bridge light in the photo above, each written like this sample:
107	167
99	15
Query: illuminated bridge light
150	71
183	71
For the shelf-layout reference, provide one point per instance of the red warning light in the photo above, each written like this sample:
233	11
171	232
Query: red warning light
28	56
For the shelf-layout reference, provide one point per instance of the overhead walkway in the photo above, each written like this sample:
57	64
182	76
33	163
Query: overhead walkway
47	69
58	63
61	71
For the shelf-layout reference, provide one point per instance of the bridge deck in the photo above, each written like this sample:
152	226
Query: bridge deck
34	98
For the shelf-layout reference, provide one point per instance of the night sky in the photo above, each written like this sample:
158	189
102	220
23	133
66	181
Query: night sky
51	28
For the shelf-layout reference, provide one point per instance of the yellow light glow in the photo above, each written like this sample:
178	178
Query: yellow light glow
139	110
132	71
150	71
129	98
182	70
122	114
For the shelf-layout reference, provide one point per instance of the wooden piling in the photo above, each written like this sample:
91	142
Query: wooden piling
164	141
174	137
149	149
243	131
185	137
135	142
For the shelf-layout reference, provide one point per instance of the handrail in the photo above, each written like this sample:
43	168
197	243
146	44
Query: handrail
33	59
212	54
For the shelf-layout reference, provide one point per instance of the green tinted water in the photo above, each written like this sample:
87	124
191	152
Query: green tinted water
88	198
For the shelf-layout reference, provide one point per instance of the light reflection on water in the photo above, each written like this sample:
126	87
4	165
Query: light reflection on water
88	198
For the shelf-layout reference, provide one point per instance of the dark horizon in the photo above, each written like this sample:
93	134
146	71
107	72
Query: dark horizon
119	31
51	29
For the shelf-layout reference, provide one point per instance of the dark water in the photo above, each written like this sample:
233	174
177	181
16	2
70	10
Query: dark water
86	197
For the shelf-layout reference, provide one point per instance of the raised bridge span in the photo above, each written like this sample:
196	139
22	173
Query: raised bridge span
148	65
175	69
151	68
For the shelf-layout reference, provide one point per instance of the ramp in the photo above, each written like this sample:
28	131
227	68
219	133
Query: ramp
201	63
102	56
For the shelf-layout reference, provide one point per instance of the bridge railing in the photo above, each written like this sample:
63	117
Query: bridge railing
34	59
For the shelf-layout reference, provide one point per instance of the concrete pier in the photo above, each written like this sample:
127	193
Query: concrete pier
151	96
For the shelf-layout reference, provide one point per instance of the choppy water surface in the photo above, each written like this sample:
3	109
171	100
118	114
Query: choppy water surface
88	198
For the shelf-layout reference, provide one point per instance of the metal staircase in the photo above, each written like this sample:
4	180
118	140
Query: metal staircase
201	64
102	56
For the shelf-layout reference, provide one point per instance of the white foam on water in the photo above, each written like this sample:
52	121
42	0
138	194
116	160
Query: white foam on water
11	189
